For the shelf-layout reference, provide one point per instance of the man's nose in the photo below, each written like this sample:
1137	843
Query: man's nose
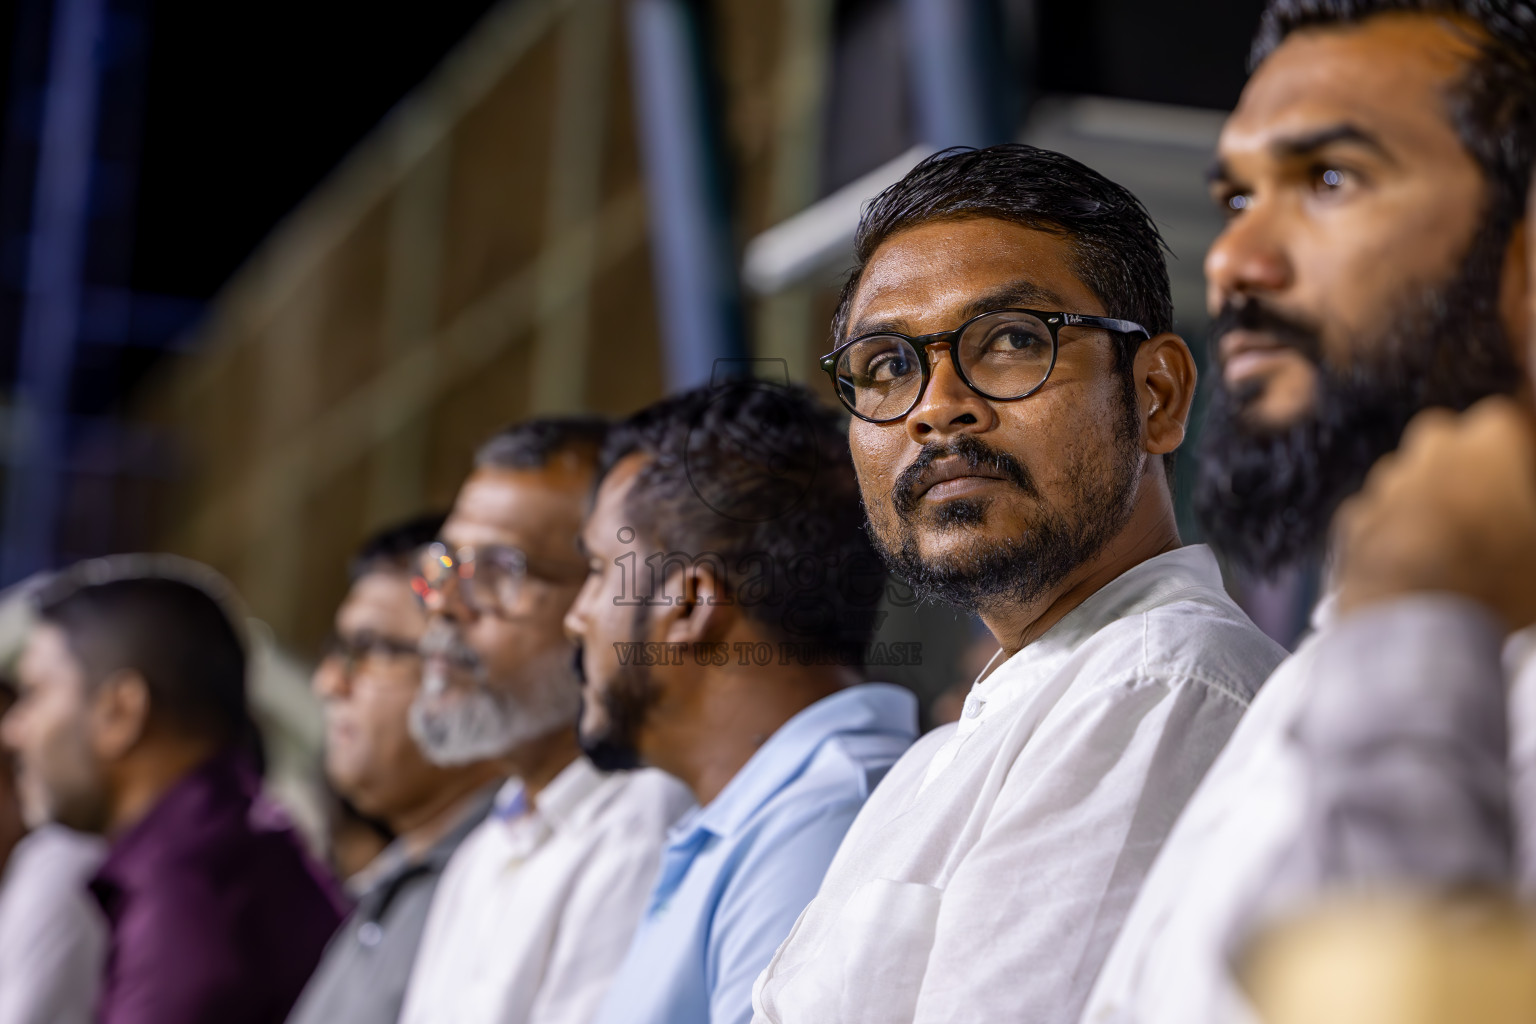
12	729
949	406
447	600
330	679
1248	257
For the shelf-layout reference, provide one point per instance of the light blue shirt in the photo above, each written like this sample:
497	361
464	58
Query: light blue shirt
736	873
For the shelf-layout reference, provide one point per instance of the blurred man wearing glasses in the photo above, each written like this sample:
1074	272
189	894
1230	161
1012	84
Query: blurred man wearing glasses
1003	345
536	909
368	681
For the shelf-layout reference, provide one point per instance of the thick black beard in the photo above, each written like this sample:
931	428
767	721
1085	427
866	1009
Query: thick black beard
1014	570
627	700
1266	497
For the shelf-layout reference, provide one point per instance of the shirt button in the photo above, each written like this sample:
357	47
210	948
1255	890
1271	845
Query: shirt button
369	934
973	706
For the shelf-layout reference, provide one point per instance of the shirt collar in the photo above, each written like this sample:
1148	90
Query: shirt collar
393	863
558	803
865	708
1139	589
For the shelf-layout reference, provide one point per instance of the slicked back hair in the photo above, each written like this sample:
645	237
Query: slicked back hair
1117	249
1493	104
533	444
757	478
164	623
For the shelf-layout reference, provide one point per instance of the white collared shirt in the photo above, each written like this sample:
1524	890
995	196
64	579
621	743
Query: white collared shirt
537	907
988	874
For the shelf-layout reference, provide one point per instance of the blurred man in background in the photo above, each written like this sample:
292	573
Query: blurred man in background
53	938
1004	346
132	724
537	906
780	746
368	681
1374	174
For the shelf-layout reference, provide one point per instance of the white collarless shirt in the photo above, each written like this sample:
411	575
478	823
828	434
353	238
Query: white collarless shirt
536	908
988	874
1173	962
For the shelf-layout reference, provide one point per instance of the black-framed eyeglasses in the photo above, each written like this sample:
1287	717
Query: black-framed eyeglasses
352	651
1002	355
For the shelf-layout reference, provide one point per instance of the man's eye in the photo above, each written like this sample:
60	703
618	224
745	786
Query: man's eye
1327	179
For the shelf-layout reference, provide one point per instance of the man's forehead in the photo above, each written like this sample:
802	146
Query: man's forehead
379	598
1387	76
921	279
609	504
47	644
521	507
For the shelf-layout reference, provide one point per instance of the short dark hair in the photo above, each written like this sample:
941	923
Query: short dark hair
394	548
533	444
163	621
1117	249
1492	106
757	477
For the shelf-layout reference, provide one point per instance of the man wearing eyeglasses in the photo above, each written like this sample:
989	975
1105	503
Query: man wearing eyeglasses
1003	345
536	908
367	681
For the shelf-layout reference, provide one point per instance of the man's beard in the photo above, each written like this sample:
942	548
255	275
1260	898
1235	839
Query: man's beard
626	700
1011	570
1266	496
453	727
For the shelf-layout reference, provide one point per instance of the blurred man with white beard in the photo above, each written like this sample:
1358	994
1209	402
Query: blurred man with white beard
536	909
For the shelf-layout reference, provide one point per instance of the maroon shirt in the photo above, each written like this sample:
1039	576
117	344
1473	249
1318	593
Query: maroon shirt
216	914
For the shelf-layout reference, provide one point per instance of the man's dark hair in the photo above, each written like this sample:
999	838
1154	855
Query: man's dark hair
394	548
757	479
167	627
1492	106
1117	250
533	444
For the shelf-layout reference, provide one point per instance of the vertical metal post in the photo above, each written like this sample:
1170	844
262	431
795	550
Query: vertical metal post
960	82
51	314
691	251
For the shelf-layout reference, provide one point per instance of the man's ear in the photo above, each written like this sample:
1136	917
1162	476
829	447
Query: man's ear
119	714
704	608
1164	373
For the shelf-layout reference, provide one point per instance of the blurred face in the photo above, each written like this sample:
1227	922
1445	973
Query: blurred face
367	688
975	501
498	677
59	774
1356	281
617	697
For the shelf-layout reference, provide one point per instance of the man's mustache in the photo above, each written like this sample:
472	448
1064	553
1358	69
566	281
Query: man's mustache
1254	315
441	640
977	455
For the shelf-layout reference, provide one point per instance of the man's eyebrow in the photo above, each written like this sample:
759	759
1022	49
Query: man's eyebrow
1015	294
1310	142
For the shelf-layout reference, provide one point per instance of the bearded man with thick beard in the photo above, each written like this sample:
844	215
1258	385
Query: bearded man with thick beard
1004	348
535	909
1373	267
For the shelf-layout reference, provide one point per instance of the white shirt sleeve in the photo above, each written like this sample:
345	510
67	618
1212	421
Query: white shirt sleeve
53	936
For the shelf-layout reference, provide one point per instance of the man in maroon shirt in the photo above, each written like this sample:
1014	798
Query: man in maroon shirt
132	723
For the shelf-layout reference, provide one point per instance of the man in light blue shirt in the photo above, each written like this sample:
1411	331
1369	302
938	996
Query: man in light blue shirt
729	606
